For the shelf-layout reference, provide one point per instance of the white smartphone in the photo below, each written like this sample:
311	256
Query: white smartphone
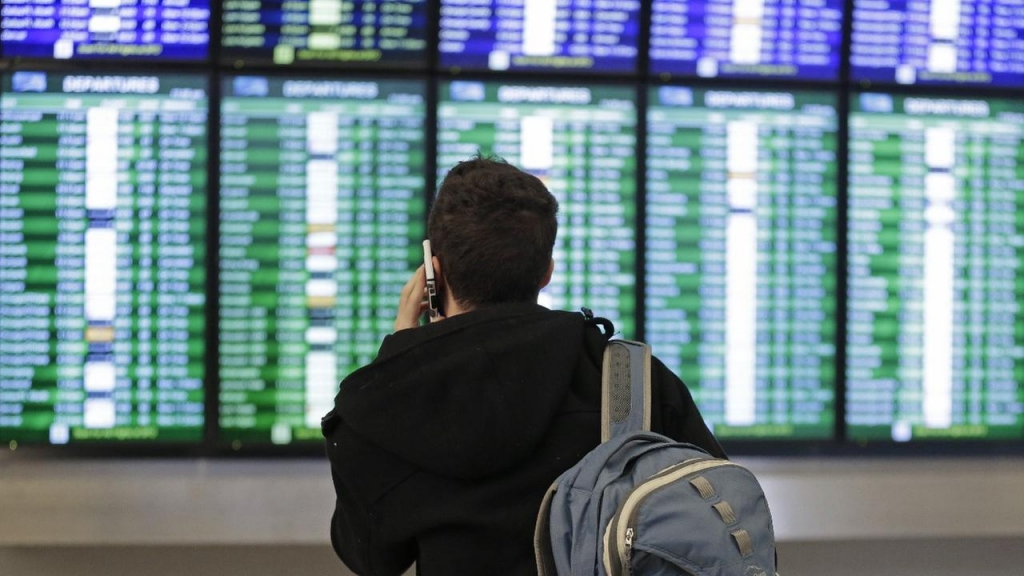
433	300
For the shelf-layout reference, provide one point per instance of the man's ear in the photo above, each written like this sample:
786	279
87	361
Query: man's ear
438	273
547	276
450	305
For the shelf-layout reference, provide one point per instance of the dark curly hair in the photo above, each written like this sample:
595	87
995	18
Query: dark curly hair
493	227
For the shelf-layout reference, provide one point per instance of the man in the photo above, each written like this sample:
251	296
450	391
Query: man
442	448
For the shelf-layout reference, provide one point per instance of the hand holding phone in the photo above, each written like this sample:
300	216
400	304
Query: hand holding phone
433	299
419	295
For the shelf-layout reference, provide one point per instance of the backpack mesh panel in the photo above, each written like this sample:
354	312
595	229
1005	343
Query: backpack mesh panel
621	395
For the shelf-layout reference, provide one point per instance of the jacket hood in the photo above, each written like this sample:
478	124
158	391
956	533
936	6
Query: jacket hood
468	397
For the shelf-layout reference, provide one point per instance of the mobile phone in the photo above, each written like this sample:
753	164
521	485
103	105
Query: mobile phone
433	299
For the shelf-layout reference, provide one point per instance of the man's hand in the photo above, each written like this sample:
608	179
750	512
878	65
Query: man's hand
412	304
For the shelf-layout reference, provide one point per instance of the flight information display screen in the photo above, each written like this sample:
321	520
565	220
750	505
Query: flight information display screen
936	283
325	32
322	215
102	257
741	255
938	41
581	142
799	39
591	35
112	29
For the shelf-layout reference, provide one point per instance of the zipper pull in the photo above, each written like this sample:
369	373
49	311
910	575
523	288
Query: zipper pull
627	557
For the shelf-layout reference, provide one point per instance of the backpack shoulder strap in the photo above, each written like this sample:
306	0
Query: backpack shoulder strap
625	388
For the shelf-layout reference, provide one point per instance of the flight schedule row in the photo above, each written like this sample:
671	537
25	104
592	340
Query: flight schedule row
726	261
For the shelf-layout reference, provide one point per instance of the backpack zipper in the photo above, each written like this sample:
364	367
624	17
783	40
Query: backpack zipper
625	532
628	544
612	559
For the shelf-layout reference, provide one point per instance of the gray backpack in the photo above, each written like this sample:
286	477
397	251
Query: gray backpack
641	503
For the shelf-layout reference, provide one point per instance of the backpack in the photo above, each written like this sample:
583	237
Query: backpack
641	503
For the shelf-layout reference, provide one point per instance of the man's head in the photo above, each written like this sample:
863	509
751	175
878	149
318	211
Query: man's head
492	228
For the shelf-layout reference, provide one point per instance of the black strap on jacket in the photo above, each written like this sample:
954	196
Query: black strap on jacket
604	324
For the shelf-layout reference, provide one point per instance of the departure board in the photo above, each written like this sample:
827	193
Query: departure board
936	282
322	215
938	41
102	257
581	142
741	255
113	29
799	39
325	32
591	35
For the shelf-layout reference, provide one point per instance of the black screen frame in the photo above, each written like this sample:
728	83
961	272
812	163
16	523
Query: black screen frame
214	69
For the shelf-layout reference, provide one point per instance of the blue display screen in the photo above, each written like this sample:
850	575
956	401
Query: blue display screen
581	35
325	32
106	29
799	39
976	42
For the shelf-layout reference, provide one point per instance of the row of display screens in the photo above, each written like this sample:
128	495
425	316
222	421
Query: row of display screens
926	41
104	268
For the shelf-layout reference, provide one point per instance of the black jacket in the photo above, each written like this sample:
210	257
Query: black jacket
442	448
